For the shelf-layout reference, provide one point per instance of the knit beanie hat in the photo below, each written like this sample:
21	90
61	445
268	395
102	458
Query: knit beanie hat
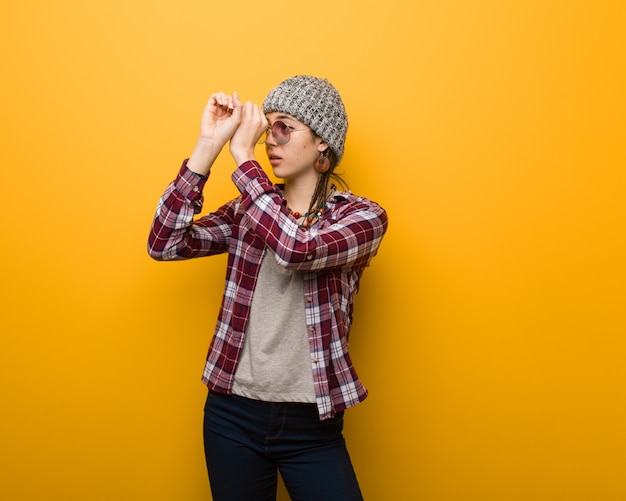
316	103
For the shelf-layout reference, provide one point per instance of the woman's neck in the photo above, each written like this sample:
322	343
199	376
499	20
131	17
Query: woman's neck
298	195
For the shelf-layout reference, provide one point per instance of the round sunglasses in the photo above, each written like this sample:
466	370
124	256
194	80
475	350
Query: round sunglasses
280	131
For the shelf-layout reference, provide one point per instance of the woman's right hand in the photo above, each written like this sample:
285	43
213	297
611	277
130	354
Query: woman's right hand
221	117
252	125
220	120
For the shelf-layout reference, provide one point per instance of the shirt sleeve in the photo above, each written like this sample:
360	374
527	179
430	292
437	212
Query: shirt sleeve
349	238
174	233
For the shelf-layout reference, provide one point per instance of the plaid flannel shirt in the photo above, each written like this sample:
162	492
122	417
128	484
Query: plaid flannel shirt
331	255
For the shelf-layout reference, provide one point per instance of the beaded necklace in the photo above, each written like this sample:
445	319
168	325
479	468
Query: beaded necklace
308	218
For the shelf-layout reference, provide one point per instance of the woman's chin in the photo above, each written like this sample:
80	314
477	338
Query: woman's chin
278	172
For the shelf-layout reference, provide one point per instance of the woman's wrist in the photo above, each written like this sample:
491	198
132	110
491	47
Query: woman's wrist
242	156
204	155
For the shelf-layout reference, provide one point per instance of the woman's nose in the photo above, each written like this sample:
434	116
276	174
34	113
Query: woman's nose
269	137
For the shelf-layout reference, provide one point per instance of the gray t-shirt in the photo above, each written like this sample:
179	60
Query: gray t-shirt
275	364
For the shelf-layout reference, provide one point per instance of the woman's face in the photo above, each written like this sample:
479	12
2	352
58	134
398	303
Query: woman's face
295	158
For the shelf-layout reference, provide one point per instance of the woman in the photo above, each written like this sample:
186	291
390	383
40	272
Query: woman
278	368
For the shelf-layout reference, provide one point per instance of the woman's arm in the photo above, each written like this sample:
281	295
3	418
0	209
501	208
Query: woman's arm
349	238
173	234
220	120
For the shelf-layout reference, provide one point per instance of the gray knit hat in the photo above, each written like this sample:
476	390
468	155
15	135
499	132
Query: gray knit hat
316	103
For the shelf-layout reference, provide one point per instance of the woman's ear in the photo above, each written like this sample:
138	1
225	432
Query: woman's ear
322	147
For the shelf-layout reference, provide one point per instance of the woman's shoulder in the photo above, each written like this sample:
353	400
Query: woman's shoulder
348	206
342	198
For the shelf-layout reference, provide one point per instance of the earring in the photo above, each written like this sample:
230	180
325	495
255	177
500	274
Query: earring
322	164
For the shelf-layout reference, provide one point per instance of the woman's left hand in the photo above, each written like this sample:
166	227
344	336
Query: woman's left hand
253	124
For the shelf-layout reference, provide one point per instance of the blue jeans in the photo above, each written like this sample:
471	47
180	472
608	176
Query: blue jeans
247	441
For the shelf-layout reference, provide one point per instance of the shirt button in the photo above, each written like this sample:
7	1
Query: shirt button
309	299
311	328
309	257
316	361
196	189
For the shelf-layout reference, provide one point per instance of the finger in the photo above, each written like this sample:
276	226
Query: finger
255	112
217	99
214	106
224	102
257	116
261	115
237	106
234	102
246	111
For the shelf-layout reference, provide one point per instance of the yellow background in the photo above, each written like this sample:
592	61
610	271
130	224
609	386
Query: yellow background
490	328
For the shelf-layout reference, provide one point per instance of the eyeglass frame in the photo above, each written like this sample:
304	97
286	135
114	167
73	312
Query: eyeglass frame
283	126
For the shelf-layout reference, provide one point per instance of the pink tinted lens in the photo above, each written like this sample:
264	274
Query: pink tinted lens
281	132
